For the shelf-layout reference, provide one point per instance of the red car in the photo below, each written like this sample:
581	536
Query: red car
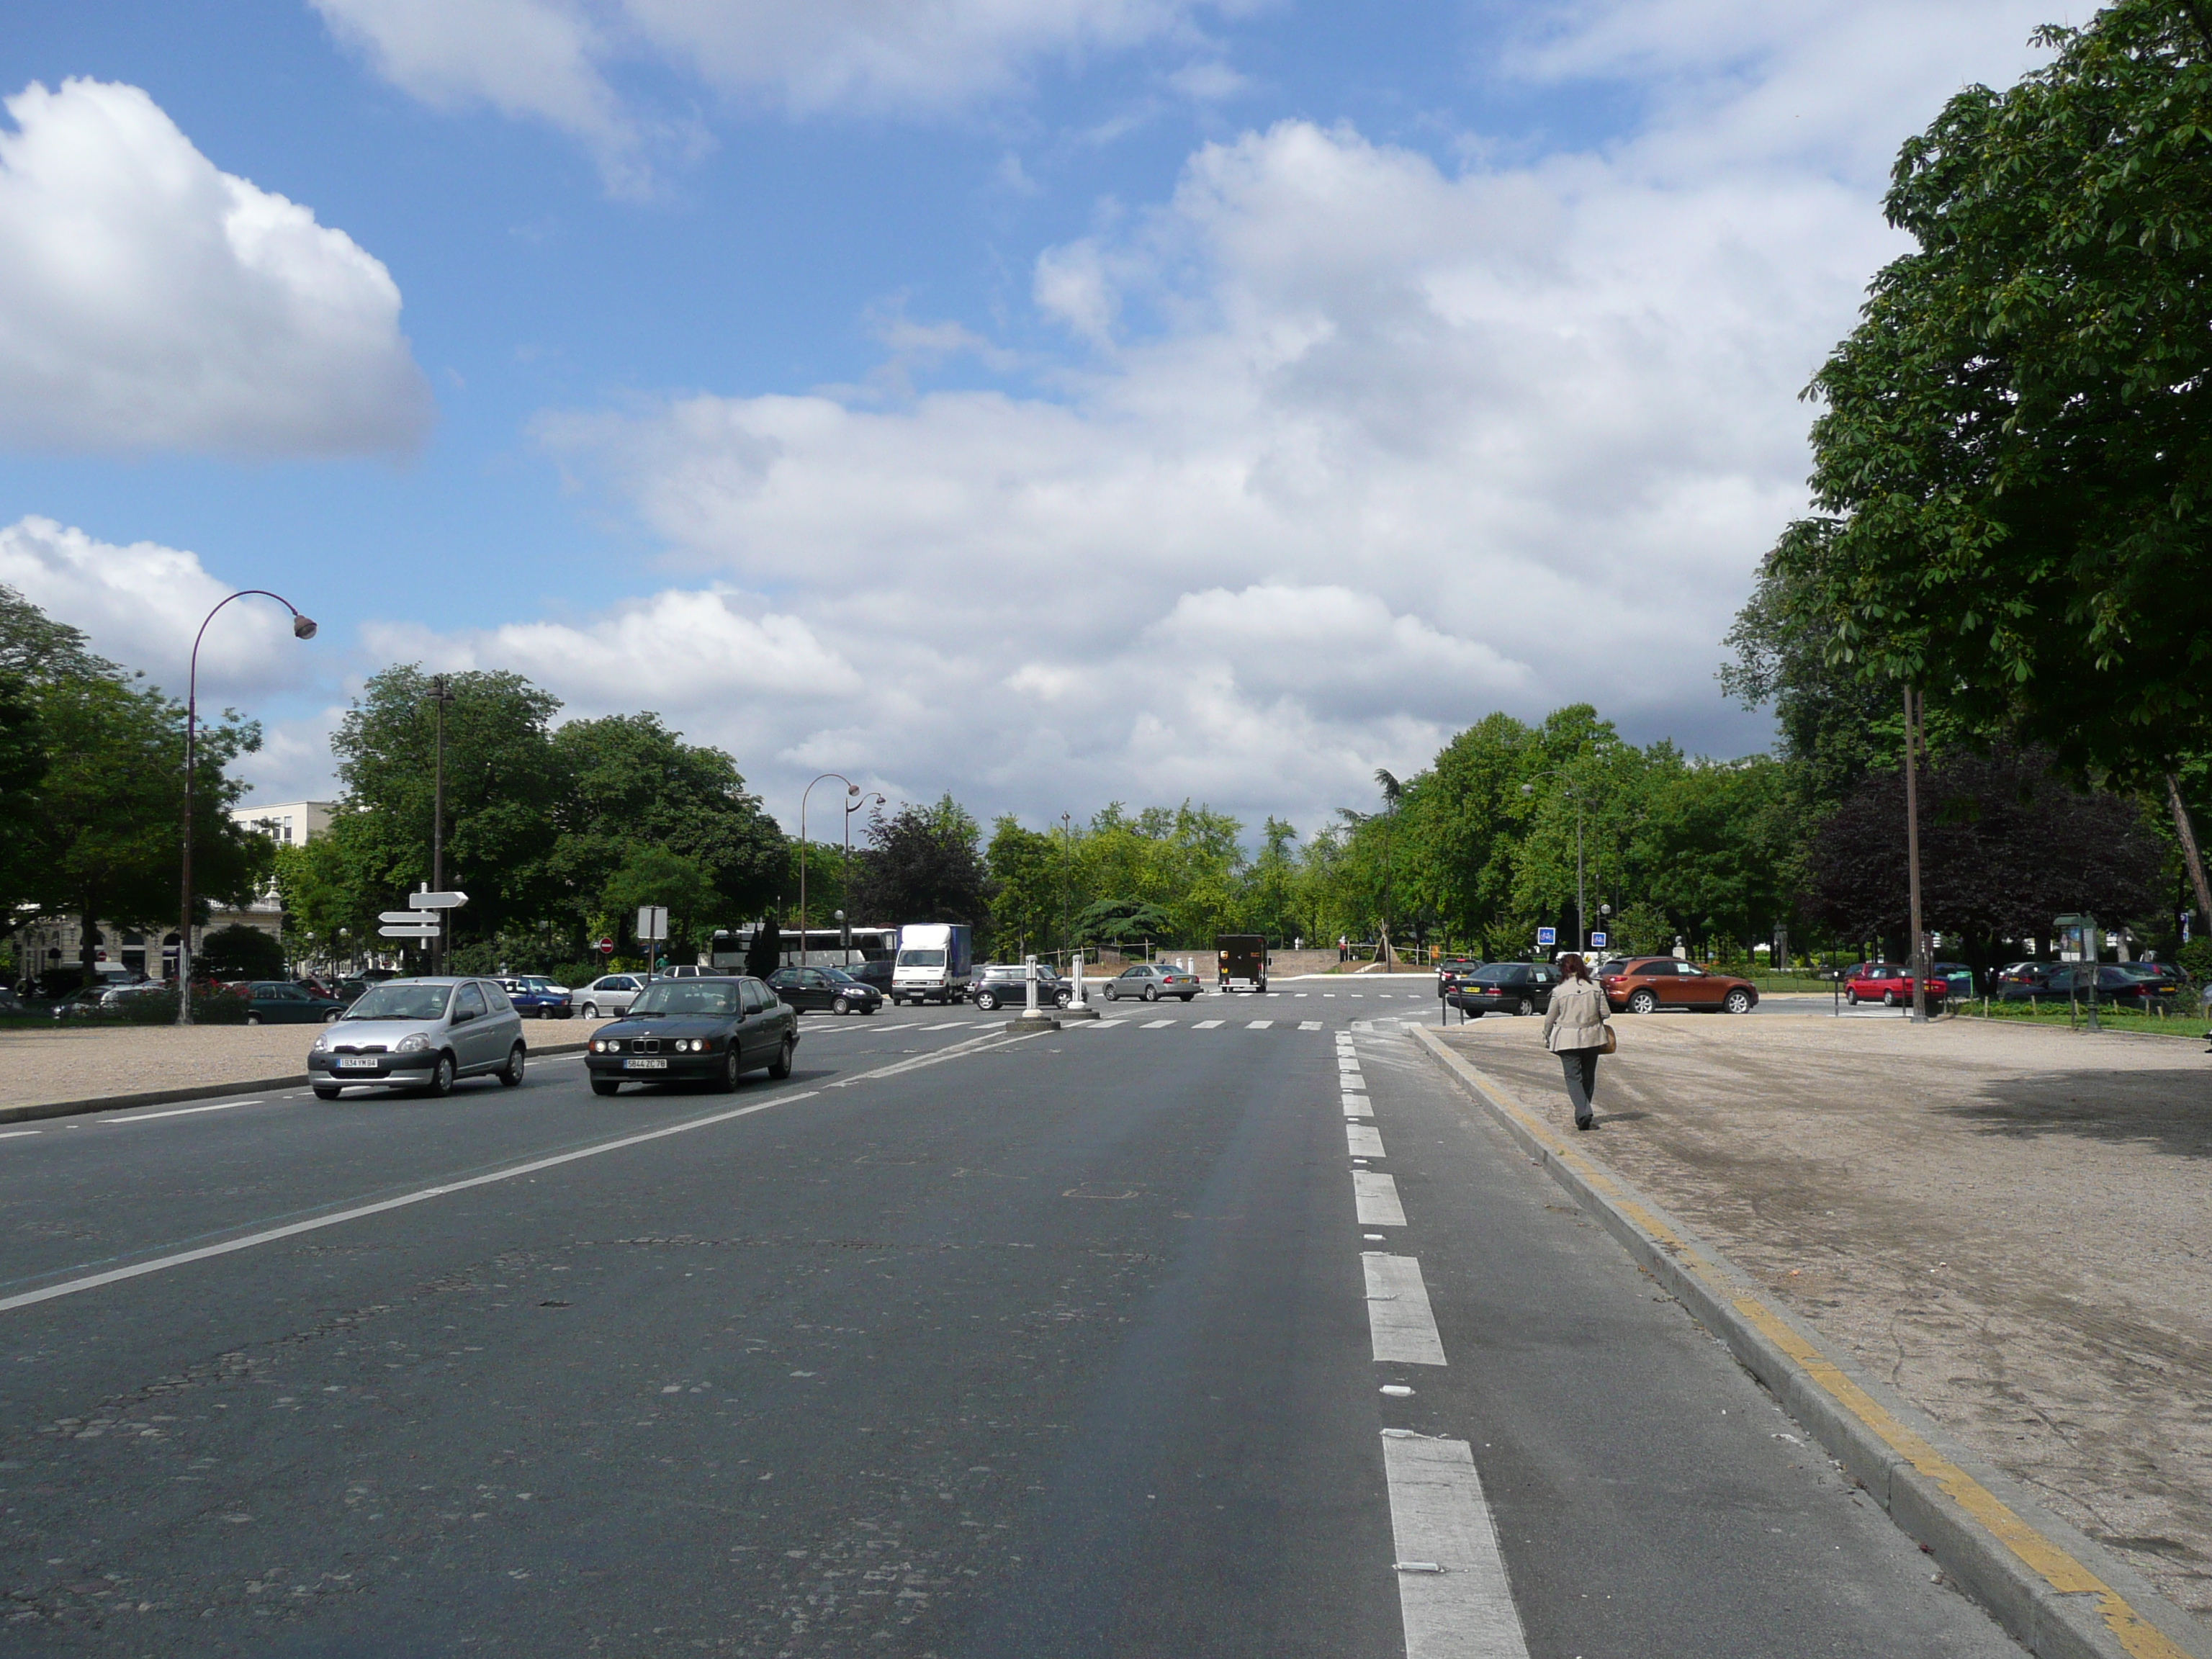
1889	984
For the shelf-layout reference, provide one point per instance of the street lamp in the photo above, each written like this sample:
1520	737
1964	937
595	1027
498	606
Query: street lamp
1575	790
851	789
302	628
851	807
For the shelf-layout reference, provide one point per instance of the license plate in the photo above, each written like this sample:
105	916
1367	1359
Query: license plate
359	1063
645	1066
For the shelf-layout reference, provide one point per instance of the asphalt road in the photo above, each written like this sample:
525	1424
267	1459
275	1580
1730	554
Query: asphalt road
955	1344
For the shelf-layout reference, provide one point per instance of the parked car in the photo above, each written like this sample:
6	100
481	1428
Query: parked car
2167	973
829	990
536	997
88	1003
2123	984
11	1006
422	1034
2020	974
1152	980
347	989
609	993
280	1002
1890	984
1002	982
1454	971
709	1030
1958	978
1506	987
1644	985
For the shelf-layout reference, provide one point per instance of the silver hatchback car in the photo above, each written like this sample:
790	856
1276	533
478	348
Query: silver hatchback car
422	1034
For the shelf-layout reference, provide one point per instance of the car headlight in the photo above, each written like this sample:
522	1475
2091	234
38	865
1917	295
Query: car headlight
414	1043
323	1043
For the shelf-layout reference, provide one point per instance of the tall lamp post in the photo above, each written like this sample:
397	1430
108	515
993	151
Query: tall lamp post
851	789
1575	790
438	696
302	628
851	807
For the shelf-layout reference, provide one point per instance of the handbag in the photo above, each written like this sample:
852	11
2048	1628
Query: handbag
1611	1041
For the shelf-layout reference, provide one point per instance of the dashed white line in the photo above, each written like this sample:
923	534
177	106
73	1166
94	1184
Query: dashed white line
1258	1025
1205	1025
948	1026
1357	1106
16	1135
1155	1024
1399	1321
1309	1024
1364	1141
1453	1595
1374	1199
182	1111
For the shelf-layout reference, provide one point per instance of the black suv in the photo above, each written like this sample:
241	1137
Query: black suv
1454	971
1003	983
1507	987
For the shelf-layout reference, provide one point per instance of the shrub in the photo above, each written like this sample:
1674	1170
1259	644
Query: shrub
2196	959
239	952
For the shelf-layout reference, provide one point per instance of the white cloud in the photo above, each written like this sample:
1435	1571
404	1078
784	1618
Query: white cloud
149	301
143	605
551	58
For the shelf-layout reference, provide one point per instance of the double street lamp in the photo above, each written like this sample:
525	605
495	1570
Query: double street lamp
303	628
851	793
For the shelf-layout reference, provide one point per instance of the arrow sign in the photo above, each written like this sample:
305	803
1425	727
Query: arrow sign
407	917
422	933
436	901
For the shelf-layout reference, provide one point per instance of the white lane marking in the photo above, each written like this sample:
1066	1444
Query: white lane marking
1205	1025
1309	1026
1364	1141
1258	1025
1399	1319
1439	1518
1155	1024
1302	993
1374	1199
17	1134
229	1246
1357	1106
1109	1025
1358	993
182	1111
991	1037
948	1026
1347	1061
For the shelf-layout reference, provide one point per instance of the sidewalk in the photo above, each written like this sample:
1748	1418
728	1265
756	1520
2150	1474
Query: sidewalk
2009	1225
42	1067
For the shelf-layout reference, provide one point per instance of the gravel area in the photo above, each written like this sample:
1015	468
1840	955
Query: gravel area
39	1065
2013	1226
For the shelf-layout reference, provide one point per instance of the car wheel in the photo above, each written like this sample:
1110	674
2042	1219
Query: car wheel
1739	1002
1064	999
605	1085
840	1006
510	1076
986	1000
1113	995
1522	1006
331	1017
1889	998
1152	993
1263	988
252	1018
733	1071
441	1077
1851	999
1643	1002
779	1068
325	1092
591	1010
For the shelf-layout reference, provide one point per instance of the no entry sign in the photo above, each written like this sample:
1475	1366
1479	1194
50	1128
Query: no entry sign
607	947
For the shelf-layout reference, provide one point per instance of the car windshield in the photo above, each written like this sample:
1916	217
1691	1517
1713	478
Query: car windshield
400	1001
687	996
1496	975
921	958
838	975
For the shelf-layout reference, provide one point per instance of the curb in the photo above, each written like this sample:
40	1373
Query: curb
2053	1591
197	1091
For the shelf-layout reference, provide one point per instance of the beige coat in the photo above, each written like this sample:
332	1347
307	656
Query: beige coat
1576	1018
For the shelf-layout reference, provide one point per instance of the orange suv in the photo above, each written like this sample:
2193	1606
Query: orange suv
1644	985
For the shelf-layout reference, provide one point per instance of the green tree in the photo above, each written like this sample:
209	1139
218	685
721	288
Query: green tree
655	875
922	864
1028	871
239	952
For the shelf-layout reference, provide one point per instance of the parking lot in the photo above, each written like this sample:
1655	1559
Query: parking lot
2007	1222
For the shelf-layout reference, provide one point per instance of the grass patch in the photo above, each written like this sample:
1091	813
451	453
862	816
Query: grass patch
2182	1021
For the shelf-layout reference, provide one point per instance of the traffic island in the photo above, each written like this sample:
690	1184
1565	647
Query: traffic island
1079	1011
1031	1020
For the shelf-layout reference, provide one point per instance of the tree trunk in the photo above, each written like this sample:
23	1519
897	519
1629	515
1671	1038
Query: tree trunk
2189	854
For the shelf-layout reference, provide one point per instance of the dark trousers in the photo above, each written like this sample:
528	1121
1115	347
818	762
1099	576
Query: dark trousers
1581	1065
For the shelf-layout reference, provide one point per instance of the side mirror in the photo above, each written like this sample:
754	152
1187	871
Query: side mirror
462	1016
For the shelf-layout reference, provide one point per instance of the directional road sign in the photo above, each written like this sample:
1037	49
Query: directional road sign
423	933
407	917
436	901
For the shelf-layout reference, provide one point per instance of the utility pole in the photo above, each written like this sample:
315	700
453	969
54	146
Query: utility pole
1919	953
1067	877
437	696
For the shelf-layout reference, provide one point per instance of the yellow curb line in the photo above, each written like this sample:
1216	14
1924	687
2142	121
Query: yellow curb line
2048	1560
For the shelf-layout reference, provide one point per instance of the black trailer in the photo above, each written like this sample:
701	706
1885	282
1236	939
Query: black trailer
1244	961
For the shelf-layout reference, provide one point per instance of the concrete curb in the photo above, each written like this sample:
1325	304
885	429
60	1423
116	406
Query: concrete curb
2055	1591
197	1091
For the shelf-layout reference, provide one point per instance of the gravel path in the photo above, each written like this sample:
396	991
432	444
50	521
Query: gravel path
2014	1225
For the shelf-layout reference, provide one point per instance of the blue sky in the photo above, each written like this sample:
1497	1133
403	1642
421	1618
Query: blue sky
1096	399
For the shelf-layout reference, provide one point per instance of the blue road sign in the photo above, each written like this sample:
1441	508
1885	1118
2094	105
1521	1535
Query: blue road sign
1547	936
1597	941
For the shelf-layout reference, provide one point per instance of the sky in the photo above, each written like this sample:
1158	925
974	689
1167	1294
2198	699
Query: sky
1053	401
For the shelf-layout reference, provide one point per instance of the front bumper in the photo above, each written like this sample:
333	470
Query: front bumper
671	1068
325	1067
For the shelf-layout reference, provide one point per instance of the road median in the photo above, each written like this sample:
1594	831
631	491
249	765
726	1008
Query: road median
2055	1590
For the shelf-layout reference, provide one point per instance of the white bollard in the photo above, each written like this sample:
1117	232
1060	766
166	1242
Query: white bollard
1029	981
1077	1001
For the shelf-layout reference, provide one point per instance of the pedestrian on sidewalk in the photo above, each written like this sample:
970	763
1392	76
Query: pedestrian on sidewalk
1575	1031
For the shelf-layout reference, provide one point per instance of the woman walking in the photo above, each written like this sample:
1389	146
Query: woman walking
1575	1031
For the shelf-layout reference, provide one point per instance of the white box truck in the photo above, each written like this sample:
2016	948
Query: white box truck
936	962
